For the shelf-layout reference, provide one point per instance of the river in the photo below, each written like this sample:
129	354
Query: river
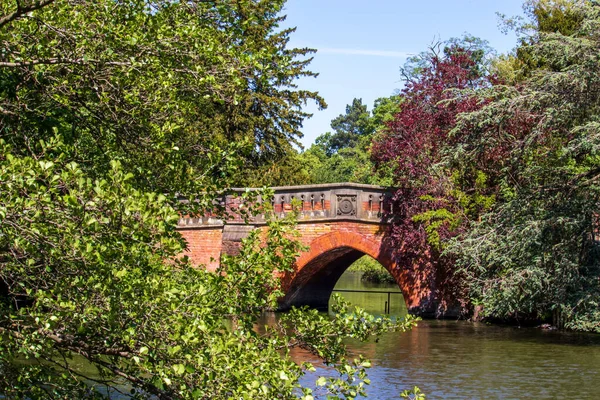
463	360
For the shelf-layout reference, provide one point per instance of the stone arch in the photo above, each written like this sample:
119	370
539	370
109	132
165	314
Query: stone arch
318	269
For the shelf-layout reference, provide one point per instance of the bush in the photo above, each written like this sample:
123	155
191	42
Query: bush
373	272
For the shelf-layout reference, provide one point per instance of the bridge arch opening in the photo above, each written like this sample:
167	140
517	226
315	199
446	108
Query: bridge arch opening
319	269
368	285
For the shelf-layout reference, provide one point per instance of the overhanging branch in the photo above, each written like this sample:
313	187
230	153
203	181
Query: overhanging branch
53	61
23	10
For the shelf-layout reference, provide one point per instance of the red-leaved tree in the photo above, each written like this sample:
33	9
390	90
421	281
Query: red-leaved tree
429	205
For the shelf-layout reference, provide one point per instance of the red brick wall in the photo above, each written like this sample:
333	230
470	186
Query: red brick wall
325	238
204	246
373	206
311	231
370	239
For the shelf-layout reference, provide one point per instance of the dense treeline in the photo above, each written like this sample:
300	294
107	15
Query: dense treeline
338	156
494	161
531	253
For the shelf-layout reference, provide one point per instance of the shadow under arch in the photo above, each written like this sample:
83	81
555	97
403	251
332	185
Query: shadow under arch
318	269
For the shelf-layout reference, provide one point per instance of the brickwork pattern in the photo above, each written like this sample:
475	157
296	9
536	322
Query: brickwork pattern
337	223
204	246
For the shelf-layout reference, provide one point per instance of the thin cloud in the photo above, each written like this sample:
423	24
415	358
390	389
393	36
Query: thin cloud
363	52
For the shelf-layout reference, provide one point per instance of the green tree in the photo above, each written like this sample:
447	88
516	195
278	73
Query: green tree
292	169
545	16
344	155
91	269
108	112
562	16
348	128
532	255
164	87
384	110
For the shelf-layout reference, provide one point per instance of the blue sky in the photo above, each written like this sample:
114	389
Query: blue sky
362	44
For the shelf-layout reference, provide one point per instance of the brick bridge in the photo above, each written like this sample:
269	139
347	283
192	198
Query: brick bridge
339	223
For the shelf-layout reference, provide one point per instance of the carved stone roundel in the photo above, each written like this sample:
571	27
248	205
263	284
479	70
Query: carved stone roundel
346	205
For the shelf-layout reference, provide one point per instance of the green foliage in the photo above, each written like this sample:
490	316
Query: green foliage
531	255
508	68
384	110
377	275
292	169
434	220
414	394
344	156
469	200
172	90
348	128
373	272
364	263
546	17
91	268
500	175
476	202
347	165
110	111
561	16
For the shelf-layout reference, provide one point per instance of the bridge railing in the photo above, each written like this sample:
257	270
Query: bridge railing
335	201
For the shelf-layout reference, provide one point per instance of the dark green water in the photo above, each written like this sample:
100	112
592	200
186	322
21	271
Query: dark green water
372	302
462	360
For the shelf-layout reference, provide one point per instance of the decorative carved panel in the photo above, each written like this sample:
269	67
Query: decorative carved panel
346	205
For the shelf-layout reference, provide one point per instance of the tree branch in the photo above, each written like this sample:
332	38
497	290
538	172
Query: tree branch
53	61
70	344
24	10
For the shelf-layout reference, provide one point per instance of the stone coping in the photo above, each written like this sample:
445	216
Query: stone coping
261	222
320	186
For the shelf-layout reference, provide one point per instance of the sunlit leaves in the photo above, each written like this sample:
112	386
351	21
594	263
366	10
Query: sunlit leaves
172	90
111	114
92	271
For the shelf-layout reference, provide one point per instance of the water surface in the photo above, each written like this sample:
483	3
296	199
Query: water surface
463	360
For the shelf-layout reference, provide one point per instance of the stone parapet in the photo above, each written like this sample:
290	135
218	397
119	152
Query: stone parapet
336	201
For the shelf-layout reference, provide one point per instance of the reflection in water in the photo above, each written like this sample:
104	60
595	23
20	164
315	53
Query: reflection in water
462	360
450	359
371	302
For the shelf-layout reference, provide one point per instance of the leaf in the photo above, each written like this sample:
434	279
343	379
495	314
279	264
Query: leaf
91	221
179	369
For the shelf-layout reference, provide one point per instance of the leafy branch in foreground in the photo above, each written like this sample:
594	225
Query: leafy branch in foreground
90	270
109	113
413	394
